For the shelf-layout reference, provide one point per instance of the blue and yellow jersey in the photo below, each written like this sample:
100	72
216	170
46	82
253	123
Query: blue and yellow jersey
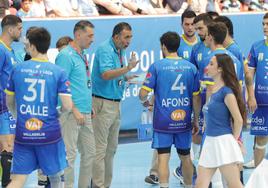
239	68
36	85
236	51
199	52
7	60
185	48
174	82
258	59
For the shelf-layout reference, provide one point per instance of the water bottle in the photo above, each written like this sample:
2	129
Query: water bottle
144	118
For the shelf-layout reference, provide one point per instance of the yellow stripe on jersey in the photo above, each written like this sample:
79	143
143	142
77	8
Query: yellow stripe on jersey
197	92
208	82
245	62
40	60
147	88
9	49
187	42
9	92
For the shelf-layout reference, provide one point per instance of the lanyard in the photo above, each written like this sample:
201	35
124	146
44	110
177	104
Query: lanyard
83	57
120	58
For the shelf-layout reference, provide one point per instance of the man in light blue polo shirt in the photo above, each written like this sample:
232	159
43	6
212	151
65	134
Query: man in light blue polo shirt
77	128
108	78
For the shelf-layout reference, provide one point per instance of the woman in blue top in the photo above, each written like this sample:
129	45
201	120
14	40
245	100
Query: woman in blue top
224	116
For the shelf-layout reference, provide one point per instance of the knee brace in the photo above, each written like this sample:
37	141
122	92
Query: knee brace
6	160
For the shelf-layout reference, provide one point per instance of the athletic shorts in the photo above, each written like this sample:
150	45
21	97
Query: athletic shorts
164	140
50	158
7	124
259	122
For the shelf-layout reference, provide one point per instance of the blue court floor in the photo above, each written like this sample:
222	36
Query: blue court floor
132	163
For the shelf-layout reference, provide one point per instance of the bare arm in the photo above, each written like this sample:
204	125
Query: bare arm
133	7
252	104
232	105
143	95
196	110
11	104
112	74
67	103
113	8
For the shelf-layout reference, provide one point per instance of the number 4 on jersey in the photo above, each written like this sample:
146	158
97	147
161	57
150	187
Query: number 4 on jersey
178	85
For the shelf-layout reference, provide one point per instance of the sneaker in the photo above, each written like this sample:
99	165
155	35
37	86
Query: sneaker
178	174
249	164
152	179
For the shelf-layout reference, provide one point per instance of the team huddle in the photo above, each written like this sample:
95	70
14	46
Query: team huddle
200	92
213	75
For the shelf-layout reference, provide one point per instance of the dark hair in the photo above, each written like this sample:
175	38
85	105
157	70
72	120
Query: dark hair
206	18
120	27
63	41
187	14
10	20
171	40
218	31
213	14
82	24
265	16
30	29
230	79
40	38
227	22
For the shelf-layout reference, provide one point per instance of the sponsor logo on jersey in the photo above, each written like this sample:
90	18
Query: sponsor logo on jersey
178	115
33	124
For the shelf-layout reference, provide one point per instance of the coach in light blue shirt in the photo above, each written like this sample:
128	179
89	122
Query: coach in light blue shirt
107	58
108	81
77	129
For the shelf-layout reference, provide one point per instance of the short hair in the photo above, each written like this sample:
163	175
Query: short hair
218	31
265	16
30	29
40	38
227	22
82	24
187	14
213	14
10	20
63	41
171	40
118	28
206	18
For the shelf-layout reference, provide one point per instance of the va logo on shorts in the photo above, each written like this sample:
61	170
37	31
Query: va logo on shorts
33	124
178	115
260	57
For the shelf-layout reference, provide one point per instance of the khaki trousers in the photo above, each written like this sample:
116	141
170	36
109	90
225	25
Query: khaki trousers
81	138
106	129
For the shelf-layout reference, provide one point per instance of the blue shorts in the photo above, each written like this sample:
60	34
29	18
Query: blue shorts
259	122
7	124
164	140
50	158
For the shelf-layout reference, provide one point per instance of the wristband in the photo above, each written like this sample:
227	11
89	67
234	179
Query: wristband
239	141
139	11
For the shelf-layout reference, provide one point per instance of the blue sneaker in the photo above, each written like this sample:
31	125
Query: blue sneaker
178	174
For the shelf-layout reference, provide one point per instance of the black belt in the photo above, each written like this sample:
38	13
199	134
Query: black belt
115	100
